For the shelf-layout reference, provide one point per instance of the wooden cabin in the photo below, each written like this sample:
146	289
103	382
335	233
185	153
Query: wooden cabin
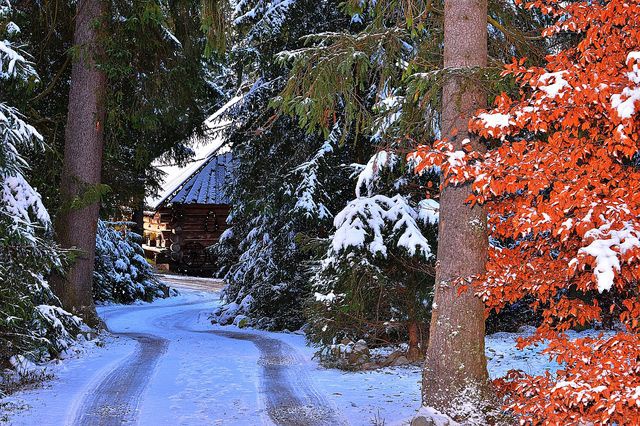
190	215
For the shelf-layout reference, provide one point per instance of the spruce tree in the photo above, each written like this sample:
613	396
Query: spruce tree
33	326
287	182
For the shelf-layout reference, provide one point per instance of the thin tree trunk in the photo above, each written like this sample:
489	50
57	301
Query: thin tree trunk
414	352
137	217
76	225
455	370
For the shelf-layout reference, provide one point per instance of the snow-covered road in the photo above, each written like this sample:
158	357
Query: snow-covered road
290	395
167	365
287	393
114	400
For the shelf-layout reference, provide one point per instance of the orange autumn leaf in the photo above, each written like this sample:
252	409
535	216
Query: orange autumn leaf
562	190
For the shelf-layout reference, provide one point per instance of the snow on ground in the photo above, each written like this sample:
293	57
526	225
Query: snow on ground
48	405
391	394
199	374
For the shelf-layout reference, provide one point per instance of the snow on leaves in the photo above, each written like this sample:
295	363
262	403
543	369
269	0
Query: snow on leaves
369	174
607	247
562	188
309	193
325	298
265	17
625	102
61	321
371	222
22	203
390	110
552	83
13	62
456	166
19	202
495	120
429	211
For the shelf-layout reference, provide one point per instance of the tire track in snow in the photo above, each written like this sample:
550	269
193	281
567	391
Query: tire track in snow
114	401
287	389
290	397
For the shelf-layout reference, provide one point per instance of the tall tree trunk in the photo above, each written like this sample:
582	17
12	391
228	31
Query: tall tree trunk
455	370
76	224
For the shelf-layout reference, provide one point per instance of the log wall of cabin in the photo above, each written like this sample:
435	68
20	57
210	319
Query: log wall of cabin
185	226
197	223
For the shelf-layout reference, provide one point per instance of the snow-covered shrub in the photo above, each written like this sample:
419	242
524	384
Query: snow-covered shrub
375	279
122	274
33	327
32	323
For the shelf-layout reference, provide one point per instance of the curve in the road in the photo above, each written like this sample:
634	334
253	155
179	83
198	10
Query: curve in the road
290	397
115	400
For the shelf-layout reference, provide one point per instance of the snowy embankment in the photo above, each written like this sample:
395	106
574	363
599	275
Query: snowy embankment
167	365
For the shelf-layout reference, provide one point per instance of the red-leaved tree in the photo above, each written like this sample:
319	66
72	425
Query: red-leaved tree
561	182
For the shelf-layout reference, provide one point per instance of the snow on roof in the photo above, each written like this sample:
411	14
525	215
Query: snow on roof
216	118
207	185
204	172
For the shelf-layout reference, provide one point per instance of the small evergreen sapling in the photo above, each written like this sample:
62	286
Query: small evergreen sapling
375	280
122	274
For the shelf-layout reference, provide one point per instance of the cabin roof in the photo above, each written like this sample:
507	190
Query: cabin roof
203	179
207	184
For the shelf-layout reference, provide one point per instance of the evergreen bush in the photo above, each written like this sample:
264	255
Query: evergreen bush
33	326
375	279
122	274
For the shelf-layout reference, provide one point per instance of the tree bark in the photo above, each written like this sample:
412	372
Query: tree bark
414	352
137	217
81	174
455	371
